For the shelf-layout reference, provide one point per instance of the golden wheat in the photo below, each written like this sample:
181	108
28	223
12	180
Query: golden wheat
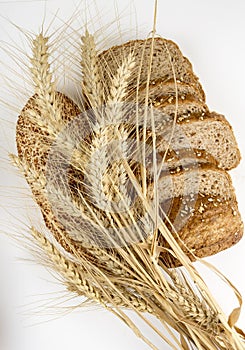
76	279
42	77
92	80
111	256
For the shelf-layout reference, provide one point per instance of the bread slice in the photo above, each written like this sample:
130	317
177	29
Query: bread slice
213	227
219	141
186	107
201	206
165	54
193	122
203	179
167	91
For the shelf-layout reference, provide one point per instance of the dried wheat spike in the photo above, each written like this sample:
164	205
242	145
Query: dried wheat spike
101	177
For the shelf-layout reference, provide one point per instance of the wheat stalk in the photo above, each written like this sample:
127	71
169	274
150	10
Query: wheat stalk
75	281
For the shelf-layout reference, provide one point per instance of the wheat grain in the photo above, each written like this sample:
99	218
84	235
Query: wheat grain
67	269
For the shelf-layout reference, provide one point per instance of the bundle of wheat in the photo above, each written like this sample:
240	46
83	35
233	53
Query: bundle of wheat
128	190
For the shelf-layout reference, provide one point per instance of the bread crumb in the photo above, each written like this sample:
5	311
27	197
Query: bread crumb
201	208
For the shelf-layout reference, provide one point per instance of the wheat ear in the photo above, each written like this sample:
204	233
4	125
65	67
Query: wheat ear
38	182
91	79
112	117
34	178
193	307
119	89
66	268
47	99
75	280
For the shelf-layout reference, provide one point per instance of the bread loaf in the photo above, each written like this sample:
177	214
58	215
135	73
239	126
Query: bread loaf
195	191
217	224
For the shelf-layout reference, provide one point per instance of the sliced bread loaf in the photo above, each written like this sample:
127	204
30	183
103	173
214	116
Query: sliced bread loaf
166	53
197	196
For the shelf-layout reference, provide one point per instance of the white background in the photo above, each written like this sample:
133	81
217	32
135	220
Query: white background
211	34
